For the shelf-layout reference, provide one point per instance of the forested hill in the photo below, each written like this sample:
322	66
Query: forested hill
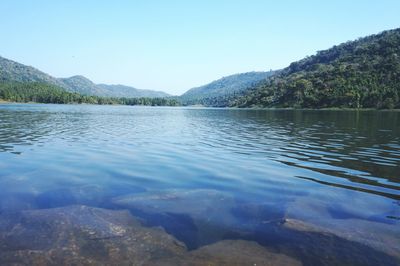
82	85
47	93
129	92
11	71
359	74
216	92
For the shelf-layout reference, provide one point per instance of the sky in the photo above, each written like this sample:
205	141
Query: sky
175	45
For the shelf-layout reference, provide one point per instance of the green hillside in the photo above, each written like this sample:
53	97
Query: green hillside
359	74
47	93
11	71
130	92
219	91
82	85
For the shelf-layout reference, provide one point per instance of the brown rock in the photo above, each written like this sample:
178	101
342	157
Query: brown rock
230	252
80	235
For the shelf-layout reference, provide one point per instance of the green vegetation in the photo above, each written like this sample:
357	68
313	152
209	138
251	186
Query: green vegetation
81	85
11	71
219	92
360	74
47	93
129	92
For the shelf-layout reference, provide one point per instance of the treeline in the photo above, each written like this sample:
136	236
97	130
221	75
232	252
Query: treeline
359	74
46	93
218	101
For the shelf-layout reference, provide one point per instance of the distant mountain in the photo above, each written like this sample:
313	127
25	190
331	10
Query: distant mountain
223	88
82	85
129	92
364	73
11	71
358	74
16	91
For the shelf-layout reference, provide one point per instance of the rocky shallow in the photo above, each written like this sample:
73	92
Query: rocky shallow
81	235
197	217
188	227
201	217
375	232
230	252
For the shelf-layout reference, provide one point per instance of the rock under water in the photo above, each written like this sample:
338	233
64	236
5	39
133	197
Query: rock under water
206	204
197	217
202	216
300	216
81	235
230	252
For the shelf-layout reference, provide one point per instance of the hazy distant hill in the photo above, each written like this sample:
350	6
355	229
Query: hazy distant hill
129	92
82	85
359	74
223	88
11	71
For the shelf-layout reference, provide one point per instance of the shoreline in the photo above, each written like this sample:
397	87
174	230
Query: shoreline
212	107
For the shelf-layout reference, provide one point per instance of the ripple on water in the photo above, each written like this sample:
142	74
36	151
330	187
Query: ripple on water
308	184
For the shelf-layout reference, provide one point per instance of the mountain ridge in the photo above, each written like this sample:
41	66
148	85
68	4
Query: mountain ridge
120	90
223	87
12	71
364	73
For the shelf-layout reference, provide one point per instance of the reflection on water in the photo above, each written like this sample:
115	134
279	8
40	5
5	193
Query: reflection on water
322	187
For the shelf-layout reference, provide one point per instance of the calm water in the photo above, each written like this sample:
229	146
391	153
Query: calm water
319	186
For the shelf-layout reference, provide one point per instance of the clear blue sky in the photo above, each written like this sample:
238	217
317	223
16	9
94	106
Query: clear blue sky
175	45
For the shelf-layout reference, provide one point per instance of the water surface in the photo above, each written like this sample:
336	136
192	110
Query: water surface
322	187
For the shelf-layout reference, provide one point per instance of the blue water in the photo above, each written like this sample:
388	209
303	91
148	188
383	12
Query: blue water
320	186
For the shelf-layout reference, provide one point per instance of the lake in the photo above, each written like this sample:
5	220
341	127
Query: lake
84	182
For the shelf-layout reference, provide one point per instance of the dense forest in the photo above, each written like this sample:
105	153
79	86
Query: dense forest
359	74
47	93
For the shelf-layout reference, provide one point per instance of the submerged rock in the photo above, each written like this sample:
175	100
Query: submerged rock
87	194
197	217
230	252
11	202
206	204
314	216
201	217
80	235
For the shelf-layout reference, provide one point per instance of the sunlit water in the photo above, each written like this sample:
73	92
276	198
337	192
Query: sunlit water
320	186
